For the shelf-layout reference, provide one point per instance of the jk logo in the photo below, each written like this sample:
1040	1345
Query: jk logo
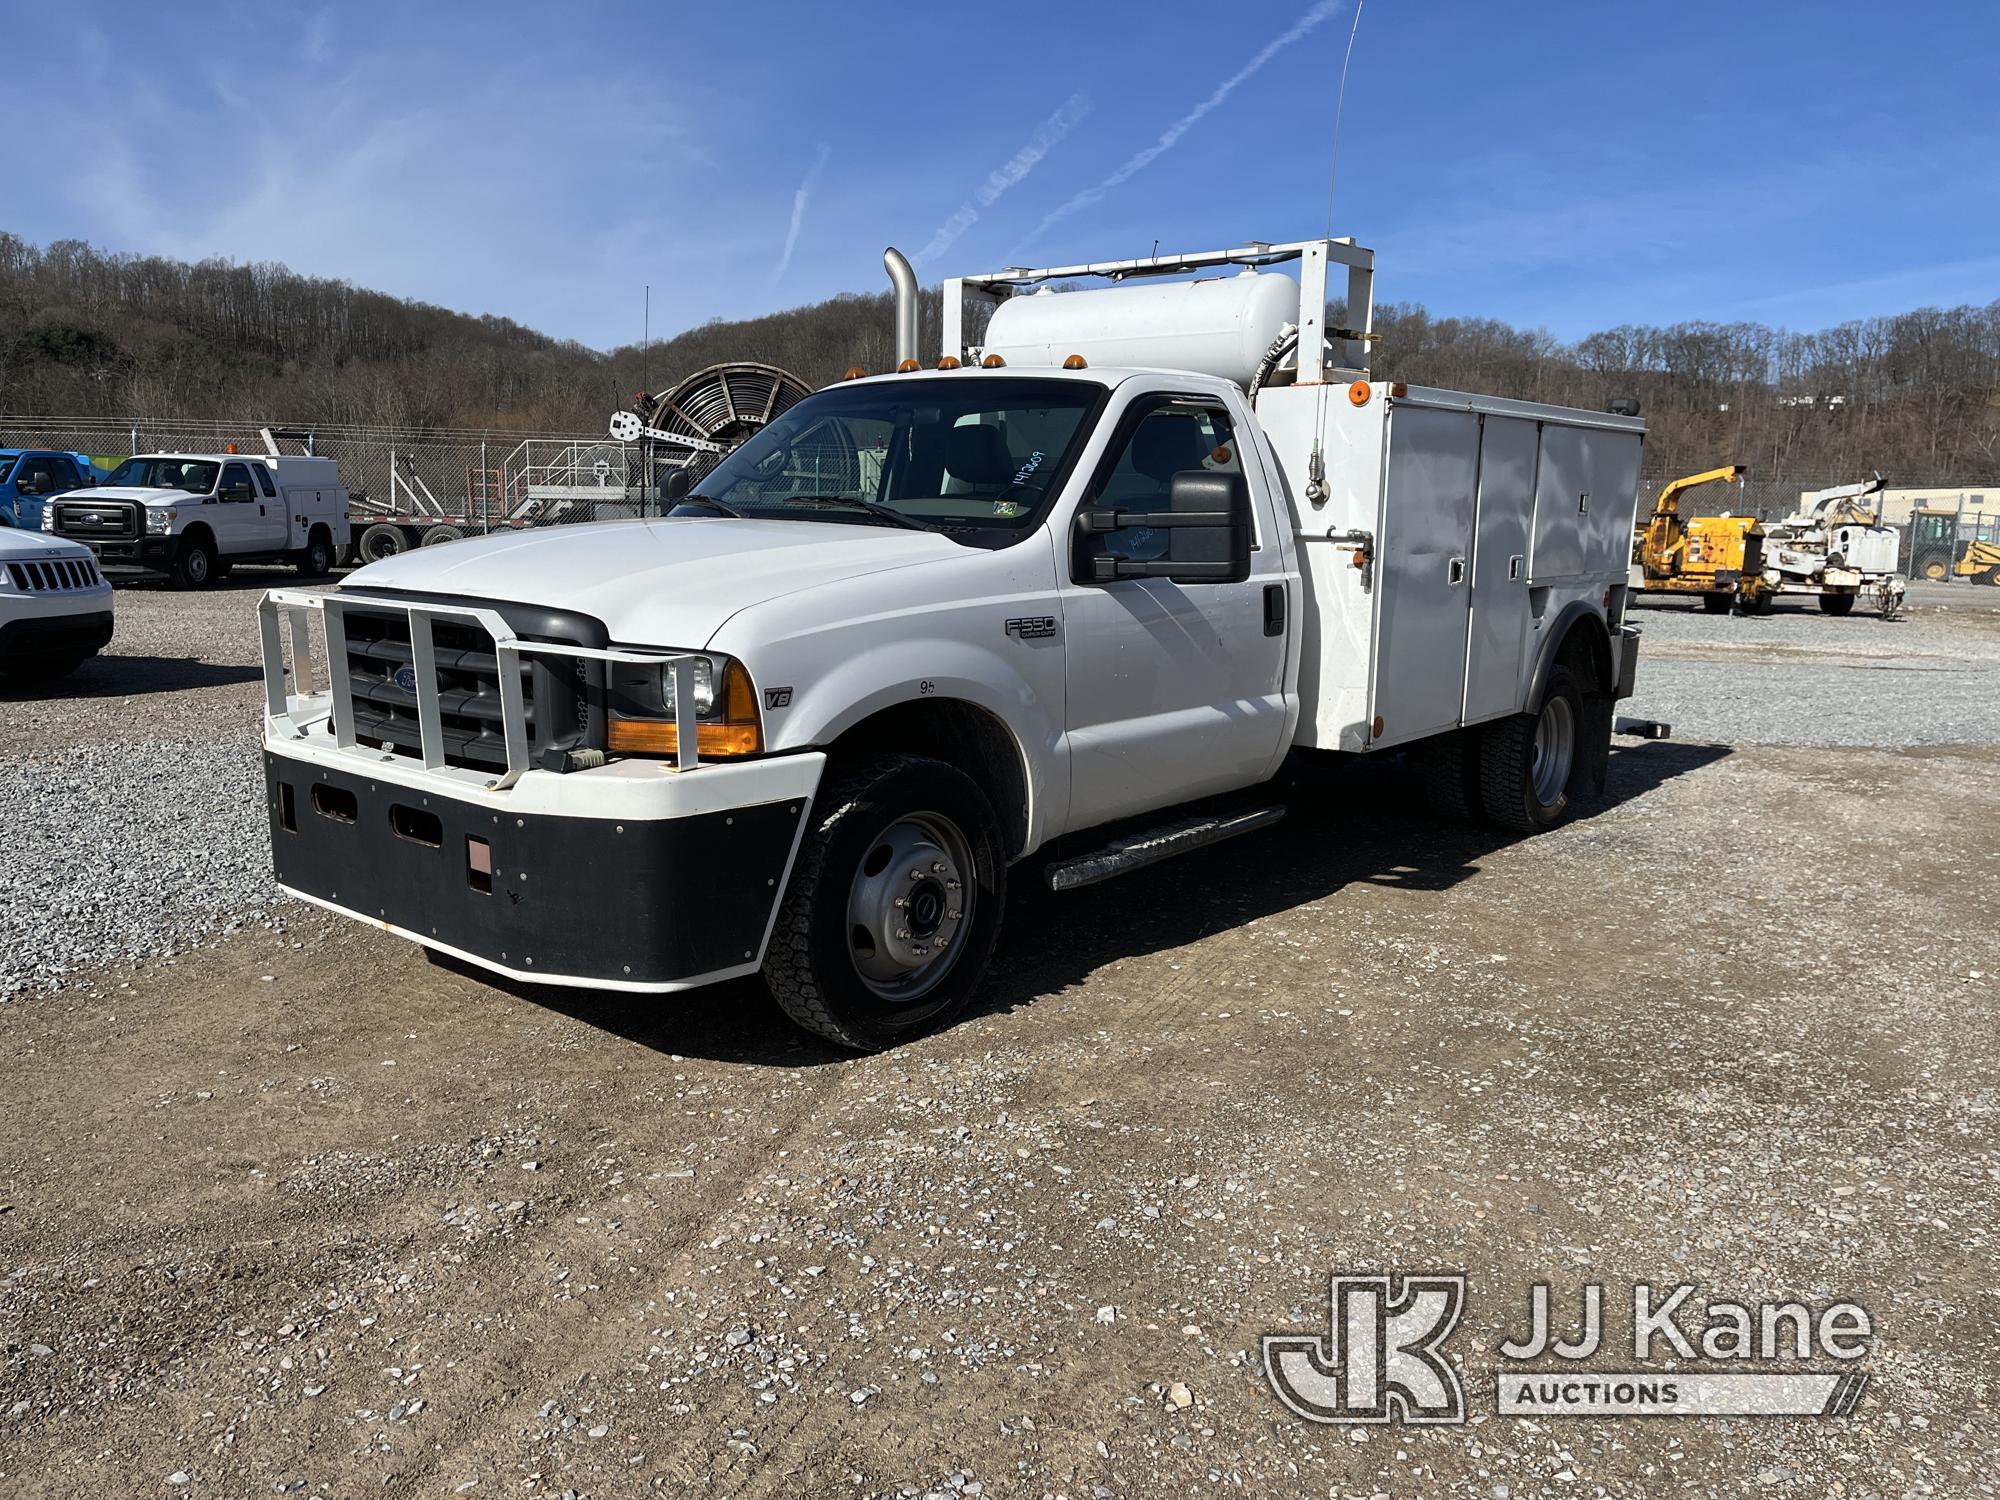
1379	1360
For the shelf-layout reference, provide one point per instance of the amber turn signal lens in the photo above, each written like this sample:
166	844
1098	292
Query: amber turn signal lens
1358	393
711	741
739	732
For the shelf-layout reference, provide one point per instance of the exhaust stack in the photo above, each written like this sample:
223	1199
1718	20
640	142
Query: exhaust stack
904	280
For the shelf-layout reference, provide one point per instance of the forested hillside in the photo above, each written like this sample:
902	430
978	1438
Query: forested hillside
84	333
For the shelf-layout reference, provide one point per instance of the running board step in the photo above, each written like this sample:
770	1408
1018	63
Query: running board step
1136	851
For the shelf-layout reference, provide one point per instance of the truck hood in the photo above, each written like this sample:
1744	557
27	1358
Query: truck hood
141	493
655	583
17	545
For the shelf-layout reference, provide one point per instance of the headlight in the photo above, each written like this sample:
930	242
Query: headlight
643	705
157	521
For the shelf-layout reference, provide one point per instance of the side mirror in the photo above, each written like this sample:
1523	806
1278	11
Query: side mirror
1208	526
674	488
32	485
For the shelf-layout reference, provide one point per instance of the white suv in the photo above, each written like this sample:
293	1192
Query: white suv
55	607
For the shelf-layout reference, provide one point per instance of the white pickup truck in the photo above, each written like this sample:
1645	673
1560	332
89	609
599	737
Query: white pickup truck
1104	572
189	517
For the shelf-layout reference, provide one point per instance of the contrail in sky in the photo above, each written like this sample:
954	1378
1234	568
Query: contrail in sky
1170	137
799	211
1024	161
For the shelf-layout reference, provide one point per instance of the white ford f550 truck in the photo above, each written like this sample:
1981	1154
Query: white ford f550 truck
1104	570
188	517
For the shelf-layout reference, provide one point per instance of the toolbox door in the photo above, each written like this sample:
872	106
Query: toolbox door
1497	637
1424	566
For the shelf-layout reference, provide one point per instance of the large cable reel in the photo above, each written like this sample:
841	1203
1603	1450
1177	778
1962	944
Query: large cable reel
710	414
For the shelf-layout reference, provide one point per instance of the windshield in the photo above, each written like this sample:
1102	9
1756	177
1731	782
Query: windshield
983	457
196	476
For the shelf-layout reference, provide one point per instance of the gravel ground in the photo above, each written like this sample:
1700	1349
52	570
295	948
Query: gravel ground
1798	677
302	1213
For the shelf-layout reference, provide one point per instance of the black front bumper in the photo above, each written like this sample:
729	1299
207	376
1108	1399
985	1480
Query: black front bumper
580	899
147	555
55	638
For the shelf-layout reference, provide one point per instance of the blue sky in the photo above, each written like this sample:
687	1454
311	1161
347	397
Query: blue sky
1567	166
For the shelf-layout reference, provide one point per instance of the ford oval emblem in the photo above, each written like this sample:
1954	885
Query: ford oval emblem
406	679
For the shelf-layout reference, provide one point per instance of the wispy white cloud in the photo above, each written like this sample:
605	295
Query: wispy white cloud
1045	139
1304	26
799	200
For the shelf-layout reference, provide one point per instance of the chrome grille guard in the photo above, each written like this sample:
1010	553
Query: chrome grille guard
292	709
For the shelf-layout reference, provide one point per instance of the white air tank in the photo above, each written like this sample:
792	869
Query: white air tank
1220	326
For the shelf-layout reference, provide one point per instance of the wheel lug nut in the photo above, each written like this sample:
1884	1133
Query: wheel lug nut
937	867
916	874
951	885
952	915
903	933
902	900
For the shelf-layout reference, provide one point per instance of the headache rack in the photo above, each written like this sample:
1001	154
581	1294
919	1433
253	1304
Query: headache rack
458	689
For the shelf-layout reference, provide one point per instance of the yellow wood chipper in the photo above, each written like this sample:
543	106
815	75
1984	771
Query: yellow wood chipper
1704	555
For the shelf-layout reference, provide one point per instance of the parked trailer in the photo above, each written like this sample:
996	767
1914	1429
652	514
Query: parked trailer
1096	579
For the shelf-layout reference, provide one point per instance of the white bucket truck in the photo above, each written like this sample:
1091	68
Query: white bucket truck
1096	576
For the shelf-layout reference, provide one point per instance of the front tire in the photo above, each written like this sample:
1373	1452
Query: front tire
894	905
1529	764
195	565
1836	604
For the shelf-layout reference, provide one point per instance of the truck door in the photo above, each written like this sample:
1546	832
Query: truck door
254	524
1176	690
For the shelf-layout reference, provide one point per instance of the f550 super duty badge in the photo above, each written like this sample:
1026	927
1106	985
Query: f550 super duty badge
1032	627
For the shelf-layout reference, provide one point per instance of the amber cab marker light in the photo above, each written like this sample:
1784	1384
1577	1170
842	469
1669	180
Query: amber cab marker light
949	362
854	372
1358	393
1076	362
906	366
1399	389
993	362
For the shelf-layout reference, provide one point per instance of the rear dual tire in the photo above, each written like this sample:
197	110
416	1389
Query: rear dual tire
1529	763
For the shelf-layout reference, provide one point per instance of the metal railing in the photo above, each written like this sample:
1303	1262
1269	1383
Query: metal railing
294	709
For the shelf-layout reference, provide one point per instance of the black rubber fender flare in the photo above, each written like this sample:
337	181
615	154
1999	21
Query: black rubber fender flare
1578	614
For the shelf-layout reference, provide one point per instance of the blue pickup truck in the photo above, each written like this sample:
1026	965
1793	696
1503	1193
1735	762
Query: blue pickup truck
28	476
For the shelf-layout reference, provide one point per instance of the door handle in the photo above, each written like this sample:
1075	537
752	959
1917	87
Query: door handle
1274	609
1455	571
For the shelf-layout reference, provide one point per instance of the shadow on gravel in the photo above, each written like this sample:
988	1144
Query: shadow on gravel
1349	822
131	676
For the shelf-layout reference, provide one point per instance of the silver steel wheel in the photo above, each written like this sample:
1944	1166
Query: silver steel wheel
197	565
1555	750
910	906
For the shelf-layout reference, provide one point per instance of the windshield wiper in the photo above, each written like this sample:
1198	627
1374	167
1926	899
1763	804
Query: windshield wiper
712	503
888	513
